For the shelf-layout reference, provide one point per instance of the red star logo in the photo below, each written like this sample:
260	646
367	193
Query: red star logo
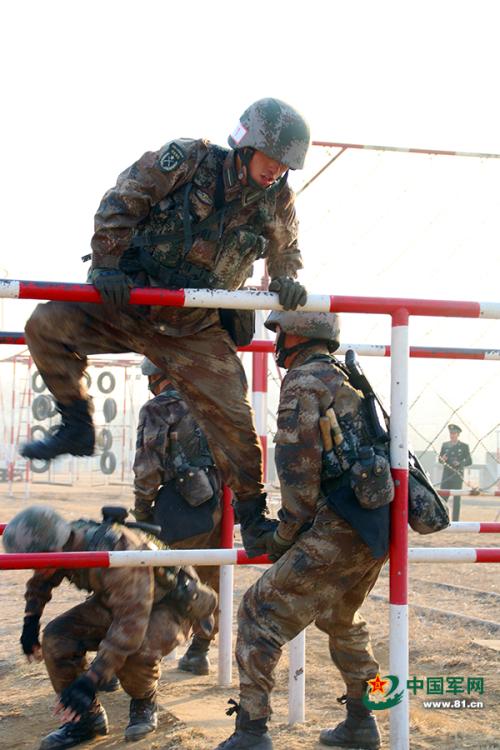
377	685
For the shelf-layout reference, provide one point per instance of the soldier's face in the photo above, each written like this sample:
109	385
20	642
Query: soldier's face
264	170
454	437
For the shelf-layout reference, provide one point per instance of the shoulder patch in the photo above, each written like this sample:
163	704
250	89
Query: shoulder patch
172	157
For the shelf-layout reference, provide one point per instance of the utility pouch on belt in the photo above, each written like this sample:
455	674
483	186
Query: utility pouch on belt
427	512
240	324
371	479
194	486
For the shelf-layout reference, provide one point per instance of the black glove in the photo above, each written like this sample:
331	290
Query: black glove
253	524
80	695
276	546
112	284
290	292
31	631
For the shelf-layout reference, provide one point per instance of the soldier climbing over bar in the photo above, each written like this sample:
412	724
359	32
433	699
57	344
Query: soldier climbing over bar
191	214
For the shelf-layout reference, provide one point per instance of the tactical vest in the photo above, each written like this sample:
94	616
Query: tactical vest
162	245
192	442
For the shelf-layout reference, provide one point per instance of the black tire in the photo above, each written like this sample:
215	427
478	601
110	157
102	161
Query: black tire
105	439
54	428
39	466
107	462
38	383
88	379
109	409
38	432
53	407
101	382
42	407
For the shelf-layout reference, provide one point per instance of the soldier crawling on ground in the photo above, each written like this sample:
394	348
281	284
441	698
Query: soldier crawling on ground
133	618
331	539
177	487
191	215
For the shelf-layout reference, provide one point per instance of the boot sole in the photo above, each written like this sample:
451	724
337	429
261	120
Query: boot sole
350	746
140	735
98	734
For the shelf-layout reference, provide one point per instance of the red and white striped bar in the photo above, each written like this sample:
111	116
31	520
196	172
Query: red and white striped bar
404	150
252	300
364	350
470	493
158	558
476	527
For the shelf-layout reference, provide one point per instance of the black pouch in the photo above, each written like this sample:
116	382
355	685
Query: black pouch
178	519
240	324
427	513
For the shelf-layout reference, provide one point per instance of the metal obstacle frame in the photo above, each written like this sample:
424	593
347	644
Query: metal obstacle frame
400	310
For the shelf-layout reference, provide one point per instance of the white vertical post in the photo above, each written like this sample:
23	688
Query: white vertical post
297	679
398	635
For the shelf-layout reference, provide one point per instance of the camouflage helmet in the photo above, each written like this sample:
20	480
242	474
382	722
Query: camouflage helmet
276	129
36	529
310	325
149	368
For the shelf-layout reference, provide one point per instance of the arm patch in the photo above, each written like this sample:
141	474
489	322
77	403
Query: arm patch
173	156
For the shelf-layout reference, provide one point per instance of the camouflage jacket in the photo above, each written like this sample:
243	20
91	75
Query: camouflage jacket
455	457
154	464
151	198
312	384
128	593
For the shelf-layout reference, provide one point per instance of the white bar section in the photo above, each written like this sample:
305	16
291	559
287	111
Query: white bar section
464	526
399	716
9	288
226	596
364	350
489	309
297	679
249	300
259	403
442	554
492	354
154	558
399	397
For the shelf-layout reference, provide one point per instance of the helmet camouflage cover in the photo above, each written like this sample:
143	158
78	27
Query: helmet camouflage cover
311	325
276	129
36	529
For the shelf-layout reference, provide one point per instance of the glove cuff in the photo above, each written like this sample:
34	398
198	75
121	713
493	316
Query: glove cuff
248	510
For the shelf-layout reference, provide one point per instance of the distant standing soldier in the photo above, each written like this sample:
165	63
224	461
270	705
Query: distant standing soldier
178	487
331	539
133	617
455	456
190	215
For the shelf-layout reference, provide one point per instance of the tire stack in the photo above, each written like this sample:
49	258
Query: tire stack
43	407
104	439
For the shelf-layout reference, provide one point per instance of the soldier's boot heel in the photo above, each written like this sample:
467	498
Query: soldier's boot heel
90	726
250	734
143	719
358	731
75	434
196	660
111	686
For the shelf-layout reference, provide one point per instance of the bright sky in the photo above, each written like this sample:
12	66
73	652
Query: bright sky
89	86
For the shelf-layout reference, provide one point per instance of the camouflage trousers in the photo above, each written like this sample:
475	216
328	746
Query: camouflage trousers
204	367
324	578
68	638
208	574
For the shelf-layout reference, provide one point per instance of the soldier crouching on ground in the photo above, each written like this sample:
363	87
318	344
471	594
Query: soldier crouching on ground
133	618
177	486
331	539
190	215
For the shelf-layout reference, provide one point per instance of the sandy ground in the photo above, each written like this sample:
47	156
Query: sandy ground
192	709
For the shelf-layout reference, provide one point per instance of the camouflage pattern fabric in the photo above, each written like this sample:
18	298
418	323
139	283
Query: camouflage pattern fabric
126	620
327	573
153	467
61	335
455	457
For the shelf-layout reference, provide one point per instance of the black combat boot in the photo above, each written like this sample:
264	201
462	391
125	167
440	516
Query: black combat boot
111	686
196	659
92	724
359	730
143	718
76	434
249	735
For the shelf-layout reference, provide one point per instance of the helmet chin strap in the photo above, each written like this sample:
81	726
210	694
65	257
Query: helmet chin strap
245	154
282	352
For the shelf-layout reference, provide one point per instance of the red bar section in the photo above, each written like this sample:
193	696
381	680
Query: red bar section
389	305
227	520
398	571
29	560
489	527
485	555
11	337
243	559
2	528
87	293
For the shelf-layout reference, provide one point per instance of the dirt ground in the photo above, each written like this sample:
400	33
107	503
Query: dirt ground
192	709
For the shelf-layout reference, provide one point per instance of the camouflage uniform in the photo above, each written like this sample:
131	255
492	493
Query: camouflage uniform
154	468
127	618
167	192
328	571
